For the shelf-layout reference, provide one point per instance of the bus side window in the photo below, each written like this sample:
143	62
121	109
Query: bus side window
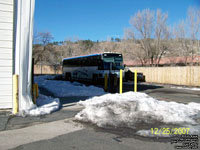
83	62
90	61
79	62
100	65
96	60
106	66
68	62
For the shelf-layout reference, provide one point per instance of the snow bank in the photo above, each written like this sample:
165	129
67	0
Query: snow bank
131	109
184	88
66	88
45	105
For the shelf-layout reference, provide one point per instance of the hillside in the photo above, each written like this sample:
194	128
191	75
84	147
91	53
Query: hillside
53	53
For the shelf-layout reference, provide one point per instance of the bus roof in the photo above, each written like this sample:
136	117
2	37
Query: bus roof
81	56
89	55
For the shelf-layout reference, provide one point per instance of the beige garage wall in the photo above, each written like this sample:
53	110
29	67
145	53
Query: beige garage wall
189	75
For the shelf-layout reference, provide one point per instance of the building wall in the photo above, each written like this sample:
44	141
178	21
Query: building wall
6	52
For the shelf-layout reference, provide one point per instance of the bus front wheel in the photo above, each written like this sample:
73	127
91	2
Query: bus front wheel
95	79
68	76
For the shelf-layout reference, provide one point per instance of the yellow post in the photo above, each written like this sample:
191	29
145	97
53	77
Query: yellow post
15	95
37	90
120	82
35	93
106	82
135	81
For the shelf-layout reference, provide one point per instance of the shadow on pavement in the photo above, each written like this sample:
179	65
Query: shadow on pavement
127	86
140	87
71	100
64	100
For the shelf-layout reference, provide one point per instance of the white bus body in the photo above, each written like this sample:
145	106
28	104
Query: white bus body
77	68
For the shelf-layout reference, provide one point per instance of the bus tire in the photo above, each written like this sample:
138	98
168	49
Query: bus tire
95	78
68	76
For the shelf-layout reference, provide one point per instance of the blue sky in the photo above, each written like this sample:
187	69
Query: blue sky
99	19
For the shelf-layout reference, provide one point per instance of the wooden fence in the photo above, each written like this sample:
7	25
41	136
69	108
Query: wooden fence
189	75
47	69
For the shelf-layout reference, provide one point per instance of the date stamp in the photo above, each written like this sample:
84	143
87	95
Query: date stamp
170	131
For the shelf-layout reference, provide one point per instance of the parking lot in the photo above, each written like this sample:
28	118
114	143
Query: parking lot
90	136
166	92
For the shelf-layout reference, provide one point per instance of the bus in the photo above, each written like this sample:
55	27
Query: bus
92	67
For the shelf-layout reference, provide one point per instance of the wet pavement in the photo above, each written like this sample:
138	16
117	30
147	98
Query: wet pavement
161	92
92	137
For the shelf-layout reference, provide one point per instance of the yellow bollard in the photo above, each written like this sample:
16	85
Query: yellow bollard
35	93
135	81
15	95
37	90
106	82
120	82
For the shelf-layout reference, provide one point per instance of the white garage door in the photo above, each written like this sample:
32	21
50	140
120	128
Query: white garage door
6	52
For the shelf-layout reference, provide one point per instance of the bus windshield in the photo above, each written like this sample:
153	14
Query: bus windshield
113	61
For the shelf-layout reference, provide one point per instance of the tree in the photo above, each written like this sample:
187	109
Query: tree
128	34
186	33
42	47
45	38
142	23
180	36
162	35
44	52
68	48
193	21
86	45
152	32
117	40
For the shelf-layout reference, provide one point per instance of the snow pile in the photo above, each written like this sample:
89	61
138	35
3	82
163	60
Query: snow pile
132	109
46	105
66	88
184	88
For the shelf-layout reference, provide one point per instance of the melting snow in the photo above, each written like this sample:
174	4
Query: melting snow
66	88
131	109
45	105
184	88
119	110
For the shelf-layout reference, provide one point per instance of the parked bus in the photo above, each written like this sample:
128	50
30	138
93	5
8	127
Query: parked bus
92	67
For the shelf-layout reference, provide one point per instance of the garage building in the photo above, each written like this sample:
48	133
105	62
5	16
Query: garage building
16	26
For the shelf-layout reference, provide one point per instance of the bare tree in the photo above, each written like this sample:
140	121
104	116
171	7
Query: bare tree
152	32
180	35
42	47
45	52
45	38
142	23
187	34
128	34
193	22
162	35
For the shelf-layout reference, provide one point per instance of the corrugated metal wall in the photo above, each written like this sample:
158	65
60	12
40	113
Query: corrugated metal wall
6	52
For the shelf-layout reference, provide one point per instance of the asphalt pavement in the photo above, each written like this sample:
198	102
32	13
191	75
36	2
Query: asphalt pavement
90	139
60	131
